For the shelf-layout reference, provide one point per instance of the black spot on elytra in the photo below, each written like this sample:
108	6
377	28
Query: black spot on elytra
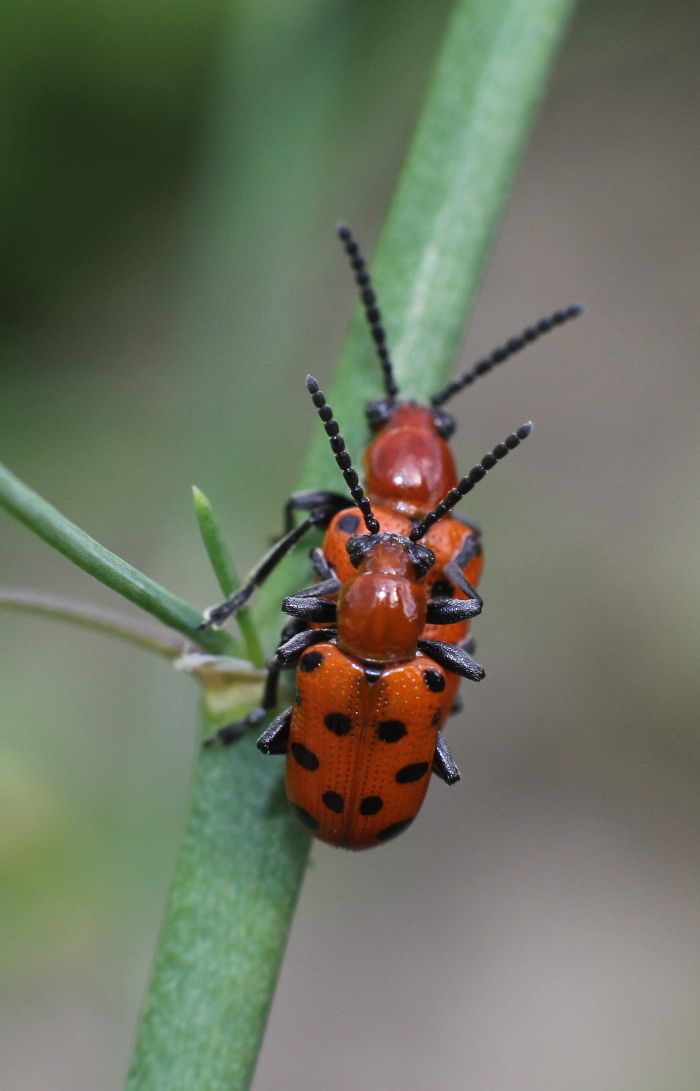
371	805
391	730
304	817
338	723
303	757
436	717
411	773
310	661
349	524
394	830
333	801
442	589
434	680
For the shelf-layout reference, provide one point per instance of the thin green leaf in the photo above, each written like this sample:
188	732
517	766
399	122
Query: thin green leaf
225	572
64	536
242	861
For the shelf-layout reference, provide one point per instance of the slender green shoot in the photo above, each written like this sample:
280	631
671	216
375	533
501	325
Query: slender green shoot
64	536
111	622
242	860
225	572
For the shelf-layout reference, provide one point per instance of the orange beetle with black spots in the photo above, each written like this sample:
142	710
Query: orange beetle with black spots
408	467
363	734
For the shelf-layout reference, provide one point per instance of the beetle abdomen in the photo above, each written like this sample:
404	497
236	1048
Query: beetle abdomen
360	751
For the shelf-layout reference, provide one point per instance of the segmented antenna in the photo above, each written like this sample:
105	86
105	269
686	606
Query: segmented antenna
467	483
341	455
503	352
369	300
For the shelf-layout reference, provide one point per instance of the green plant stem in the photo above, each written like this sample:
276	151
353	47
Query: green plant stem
225	572
236	884
241	864
111	622
64	536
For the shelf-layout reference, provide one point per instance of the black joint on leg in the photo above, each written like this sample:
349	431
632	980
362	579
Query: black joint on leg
331	502
311	608
443	762
230	733
275	738
321	567
326	587
288	653
454	572
452	659
218	615
294	626
448	611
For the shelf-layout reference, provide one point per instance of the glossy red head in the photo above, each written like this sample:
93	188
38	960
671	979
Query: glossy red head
382	608
409	466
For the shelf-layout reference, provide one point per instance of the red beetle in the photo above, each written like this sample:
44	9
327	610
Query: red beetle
363	734
371	690
408	468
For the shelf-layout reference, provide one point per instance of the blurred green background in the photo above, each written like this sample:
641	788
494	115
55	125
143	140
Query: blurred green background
171	175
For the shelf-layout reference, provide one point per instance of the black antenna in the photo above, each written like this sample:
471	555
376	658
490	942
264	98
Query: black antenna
341	455
467	483
503	352
369	300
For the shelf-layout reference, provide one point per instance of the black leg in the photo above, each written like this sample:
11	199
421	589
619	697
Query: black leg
454	570
310	607
231	732
452	659
287	654
217	615
446	611
275	738
331	502
443	762
326	587
320	565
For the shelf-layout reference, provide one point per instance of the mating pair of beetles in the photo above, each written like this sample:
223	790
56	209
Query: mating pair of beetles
381	640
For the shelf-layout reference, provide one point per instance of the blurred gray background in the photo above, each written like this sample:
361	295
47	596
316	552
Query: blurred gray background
172	173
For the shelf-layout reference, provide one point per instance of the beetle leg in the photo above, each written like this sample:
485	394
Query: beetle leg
275	738
447	611
320	565
311	608
331	586
452	659
454	570
217	615
287	654
231	732
443	762
331	502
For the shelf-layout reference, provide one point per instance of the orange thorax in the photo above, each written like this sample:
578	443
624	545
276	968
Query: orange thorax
382	608
409	466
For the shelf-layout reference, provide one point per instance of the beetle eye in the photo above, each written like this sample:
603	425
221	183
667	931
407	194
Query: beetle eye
379	411
444	422
357	547
422	557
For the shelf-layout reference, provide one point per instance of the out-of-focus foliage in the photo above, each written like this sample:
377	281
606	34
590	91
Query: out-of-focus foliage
101	110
